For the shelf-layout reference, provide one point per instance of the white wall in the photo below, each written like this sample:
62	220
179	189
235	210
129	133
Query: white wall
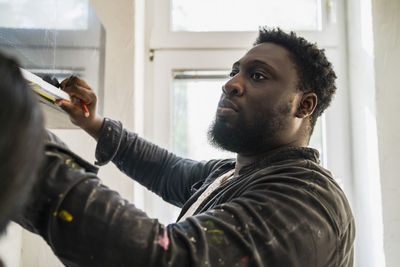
366	182
386	14
374	53
118	20
366	176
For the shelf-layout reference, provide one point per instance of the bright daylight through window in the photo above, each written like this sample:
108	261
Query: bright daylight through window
188	15
27	14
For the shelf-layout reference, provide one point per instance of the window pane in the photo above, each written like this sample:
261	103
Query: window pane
44	14
195	99
245	15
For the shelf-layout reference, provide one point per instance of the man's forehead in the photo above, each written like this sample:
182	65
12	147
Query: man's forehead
270	53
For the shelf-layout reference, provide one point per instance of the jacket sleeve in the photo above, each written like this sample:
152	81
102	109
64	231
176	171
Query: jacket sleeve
87	224
162	172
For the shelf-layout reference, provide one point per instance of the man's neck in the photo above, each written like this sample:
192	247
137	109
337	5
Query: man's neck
244	159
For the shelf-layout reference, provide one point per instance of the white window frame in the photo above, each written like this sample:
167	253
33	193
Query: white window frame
162	37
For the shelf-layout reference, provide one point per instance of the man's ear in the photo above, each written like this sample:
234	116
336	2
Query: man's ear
307	105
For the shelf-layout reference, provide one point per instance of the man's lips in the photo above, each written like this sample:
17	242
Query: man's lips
225	105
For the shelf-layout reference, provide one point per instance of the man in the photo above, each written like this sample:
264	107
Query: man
272	206
21	140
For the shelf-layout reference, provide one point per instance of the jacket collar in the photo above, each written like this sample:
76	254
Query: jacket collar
287	153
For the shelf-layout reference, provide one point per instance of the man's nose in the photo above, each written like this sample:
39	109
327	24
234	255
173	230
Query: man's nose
233	87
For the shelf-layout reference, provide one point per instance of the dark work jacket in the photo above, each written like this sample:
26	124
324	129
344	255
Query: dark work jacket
282	210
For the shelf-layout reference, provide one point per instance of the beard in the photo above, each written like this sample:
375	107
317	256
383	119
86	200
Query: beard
248	137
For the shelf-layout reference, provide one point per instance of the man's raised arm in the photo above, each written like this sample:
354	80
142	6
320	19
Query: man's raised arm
162	172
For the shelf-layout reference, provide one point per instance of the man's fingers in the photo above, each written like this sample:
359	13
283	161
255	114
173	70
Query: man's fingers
68	107
66	82
80	92
78	88
82	83
63	83
74	81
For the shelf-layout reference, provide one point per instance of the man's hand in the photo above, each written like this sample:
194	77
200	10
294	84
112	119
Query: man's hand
82	96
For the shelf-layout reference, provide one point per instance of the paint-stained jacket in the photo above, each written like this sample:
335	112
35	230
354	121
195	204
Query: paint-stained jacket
283	210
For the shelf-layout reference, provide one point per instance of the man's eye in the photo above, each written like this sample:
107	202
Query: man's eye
258	76
233	73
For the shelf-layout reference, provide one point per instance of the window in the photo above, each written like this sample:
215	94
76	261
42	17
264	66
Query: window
194	101
189	15
233	23
43	14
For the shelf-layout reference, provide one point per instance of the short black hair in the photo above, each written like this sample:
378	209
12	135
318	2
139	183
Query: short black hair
315	72
21	140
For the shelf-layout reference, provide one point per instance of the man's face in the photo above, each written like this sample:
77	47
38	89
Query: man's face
257	108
